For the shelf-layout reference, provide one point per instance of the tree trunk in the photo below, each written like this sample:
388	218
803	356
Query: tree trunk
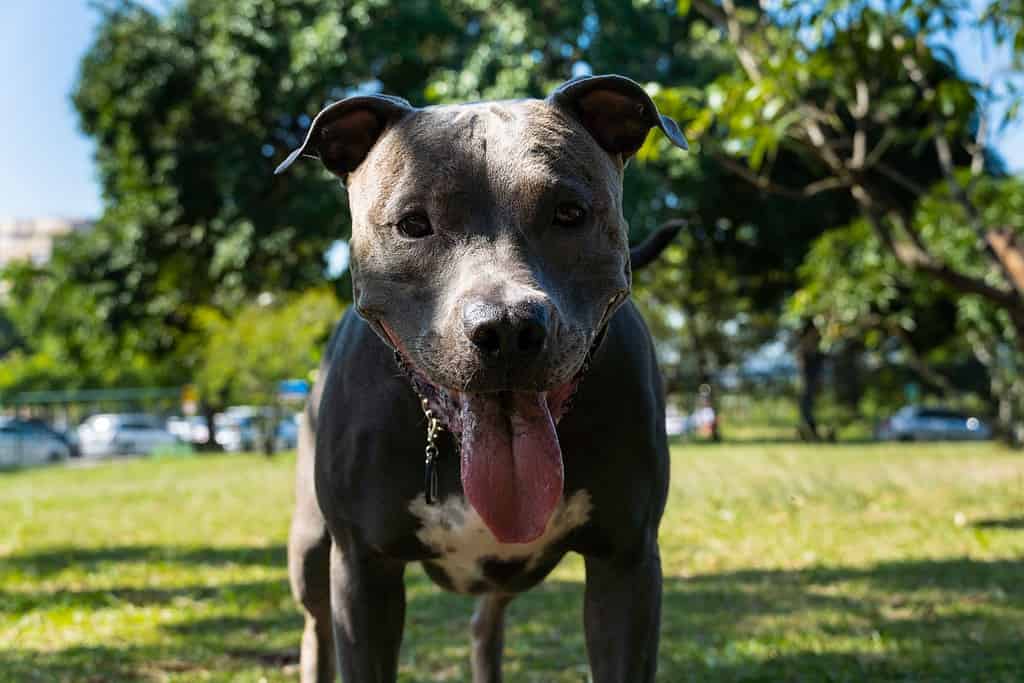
1011	408
270	430
208	412
706	394
812	365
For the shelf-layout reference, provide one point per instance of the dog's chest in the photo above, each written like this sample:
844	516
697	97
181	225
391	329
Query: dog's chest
470	558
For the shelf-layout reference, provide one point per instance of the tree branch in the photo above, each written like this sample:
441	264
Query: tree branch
904	181
920	366
860	111
725	18
766	184
913	256
978	149
888	137
1007	248
959	192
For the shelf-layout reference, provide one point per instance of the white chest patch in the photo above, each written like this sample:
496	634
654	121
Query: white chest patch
458	534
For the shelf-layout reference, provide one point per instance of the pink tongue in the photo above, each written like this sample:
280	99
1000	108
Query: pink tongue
511	463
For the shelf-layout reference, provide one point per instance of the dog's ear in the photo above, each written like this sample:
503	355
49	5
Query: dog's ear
616	111
342	134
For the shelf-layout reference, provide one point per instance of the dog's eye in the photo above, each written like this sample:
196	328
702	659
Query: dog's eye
415	225
569	215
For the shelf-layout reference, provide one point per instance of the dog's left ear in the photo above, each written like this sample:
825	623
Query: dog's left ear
616	111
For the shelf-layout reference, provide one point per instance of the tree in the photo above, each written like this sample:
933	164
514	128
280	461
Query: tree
855	295
8	335
264	344
719	291
61	332
850	87
191	109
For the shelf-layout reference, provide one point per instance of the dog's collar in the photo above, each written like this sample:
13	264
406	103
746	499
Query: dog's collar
431	453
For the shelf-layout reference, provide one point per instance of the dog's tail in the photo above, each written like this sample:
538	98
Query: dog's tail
650	249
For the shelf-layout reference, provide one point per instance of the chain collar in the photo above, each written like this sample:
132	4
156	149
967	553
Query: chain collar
431	453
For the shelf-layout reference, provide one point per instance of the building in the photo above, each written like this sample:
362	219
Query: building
32	239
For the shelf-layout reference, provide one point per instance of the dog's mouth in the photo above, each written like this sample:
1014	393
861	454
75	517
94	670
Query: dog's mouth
510	457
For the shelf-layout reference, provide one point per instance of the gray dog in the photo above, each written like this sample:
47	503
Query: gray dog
496	401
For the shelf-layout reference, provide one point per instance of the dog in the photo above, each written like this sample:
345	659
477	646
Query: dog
492	400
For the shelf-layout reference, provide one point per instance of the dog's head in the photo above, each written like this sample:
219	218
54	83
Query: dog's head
489	250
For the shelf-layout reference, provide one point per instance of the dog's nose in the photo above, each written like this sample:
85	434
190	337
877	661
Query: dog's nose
509	333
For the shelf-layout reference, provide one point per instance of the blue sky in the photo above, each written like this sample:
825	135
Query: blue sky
46	167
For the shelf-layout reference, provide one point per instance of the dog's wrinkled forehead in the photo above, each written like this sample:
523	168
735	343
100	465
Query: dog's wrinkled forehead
500	151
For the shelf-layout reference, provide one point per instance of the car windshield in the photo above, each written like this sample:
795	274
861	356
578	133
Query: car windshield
138	422
24	427
942	414
104	423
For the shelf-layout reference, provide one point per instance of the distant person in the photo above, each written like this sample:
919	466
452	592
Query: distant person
705	417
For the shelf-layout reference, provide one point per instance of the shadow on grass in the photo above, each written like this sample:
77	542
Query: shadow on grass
943	620
77	664
1014	523
256	628
19	602
55	560
768	441
109	664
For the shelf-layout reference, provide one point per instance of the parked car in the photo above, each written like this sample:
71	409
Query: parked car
123	433
286	436
191	430
677	425
66	436
237	430
917	423
701	421
29	442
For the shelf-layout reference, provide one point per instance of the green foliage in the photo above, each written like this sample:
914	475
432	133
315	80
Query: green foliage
248	354
64	336
863	95
192	108
702	307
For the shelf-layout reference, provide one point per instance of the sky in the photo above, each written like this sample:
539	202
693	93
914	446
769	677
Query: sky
46	166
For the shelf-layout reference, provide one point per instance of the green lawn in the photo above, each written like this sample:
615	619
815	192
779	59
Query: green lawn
782	562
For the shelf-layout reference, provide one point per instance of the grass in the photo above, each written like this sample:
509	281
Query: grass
782	563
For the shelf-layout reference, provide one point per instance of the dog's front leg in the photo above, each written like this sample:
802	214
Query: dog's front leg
368	611
621	615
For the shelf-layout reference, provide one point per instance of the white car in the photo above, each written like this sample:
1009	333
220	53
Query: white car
916	423
28	443
236	430
127	433
193	430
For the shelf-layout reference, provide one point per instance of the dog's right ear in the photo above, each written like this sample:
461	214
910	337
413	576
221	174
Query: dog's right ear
342	134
